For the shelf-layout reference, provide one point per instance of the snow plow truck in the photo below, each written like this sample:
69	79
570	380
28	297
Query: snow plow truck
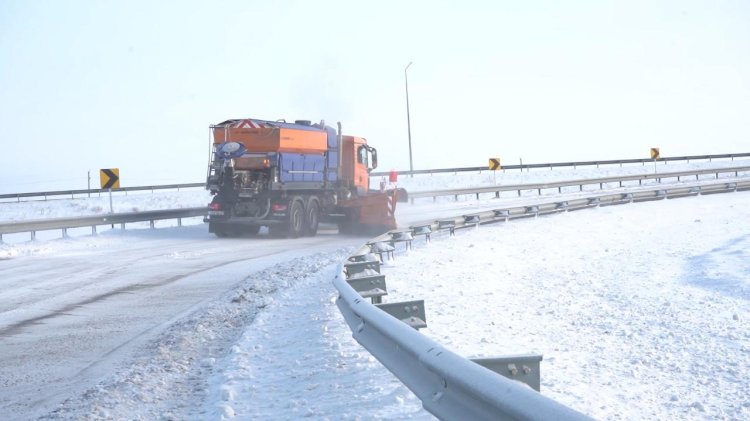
290	177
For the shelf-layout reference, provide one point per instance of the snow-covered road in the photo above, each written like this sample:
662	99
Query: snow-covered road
68	315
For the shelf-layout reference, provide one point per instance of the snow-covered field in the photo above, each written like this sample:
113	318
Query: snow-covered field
641	311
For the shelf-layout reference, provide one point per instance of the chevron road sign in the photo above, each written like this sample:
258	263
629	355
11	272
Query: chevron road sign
654	153
110	178
494	163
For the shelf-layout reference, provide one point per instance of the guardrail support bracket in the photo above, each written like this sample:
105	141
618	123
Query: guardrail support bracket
372	287
410	312
522	368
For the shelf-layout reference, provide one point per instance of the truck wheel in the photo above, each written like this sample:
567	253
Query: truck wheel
296	218
312	217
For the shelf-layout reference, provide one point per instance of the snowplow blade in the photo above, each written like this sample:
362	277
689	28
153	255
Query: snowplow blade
374	213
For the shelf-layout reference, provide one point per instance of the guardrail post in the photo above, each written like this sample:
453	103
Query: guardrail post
502	213
372	287
448	224
179	222
151	224
65	233
382	248
410	312
122	226
471	220
33	235
93	230
425	230
401	237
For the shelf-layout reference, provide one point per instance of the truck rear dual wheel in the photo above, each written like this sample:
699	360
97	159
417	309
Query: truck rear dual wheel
303	219
296	218
312	217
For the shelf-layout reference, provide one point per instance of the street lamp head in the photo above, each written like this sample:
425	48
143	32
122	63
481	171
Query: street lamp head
407	66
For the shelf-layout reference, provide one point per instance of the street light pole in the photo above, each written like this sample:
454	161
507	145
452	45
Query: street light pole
408	119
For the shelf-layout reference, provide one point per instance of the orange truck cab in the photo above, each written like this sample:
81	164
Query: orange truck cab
358	159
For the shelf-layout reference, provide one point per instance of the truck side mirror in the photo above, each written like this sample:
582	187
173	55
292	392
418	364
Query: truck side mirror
374	158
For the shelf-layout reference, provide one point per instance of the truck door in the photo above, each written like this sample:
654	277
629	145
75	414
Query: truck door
367	160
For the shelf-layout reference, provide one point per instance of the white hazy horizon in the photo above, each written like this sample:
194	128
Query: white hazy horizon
86	85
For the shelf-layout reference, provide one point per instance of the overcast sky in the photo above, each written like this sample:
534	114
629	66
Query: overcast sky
86	85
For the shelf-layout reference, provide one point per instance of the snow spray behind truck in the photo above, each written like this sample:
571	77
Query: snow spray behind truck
290	177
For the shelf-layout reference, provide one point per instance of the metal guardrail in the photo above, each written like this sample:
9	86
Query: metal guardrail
73	193
64	224
580	183
121	218
450	386
573	164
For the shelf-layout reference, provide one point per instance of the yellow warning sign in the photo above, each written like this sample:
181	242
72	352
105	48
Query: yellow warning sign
110	178
654	153
495	163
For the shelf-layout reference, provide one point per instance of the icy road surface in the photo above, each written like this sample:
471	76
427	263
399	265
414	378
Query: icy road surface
74	308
